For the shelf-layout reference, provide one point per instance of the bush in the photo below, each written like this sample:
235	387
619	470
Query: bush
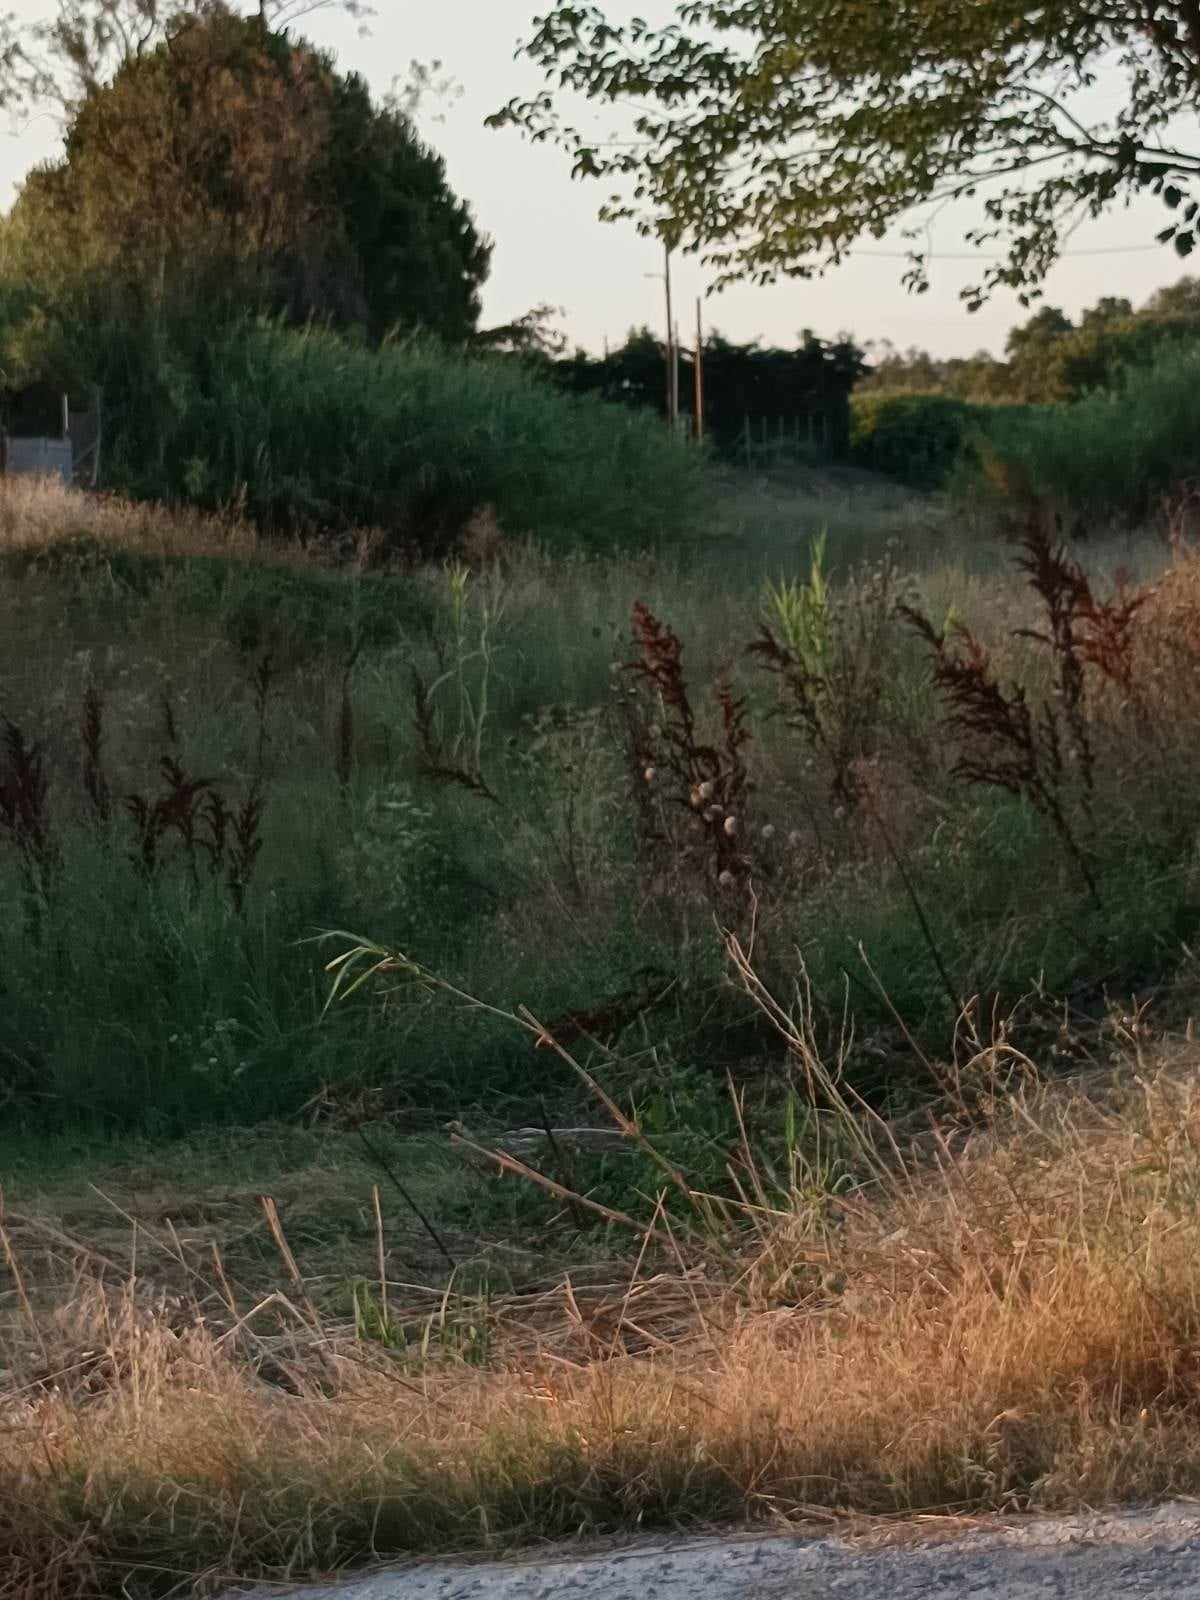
917	438
1112	453
307	430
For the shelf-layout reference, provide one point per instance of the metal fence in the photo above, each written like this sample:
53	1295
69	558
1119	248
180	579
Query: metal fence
73	456
45	458
779	441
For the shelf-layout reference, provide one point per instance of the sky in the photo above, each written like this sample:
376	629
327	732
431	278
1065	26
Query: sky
551	249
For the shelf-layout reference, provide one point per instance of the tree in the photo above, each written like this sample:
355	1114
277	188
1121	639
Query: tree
231	165
1043	328
915	371
774	135
87	42
1177	299
418	259
1050	358
195	160
1110	308
532	336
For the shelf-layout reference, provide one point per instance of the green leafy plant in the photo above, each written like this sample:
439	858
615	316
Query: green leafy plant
25	817
834	662
917	438
799	609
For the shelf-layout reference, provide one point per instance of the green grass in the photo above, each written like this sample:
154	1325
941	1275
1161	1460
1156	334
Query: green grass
152	1005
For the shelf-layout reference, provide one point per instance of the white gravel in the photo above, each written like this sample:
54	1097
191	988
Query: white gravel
1153	1552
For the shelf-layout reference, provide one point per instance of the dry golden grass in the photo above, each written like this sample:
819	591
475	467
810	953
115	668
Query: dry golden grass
37	513
1001	1313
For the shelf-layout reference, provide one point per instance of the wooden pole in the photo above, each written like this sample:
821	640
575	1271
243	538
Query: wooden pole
672	370
675	349
699	376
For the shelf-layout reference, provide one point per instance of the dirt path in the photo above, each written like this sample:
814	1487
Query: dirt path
1101	1557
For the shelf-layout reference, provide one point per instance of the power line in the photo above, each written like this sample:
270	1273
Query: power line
973	255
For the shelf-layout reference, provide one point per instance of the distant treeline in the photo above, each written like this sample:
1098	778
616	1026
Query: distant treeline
1050	357
746	386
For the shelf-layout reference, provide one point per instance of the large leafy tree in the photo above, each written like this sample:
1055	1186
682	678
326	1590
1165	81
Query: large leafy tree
773	135
196	160
1177	299
63	58
225	162
416	257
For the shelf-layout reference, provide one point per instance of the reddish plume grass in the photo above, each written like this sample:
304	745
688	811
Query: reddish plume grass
1047	754
683	771
194	813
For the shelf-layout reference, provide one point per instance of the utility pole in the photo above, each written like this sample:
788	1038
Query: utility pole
676	348
672	344
672	351
698	374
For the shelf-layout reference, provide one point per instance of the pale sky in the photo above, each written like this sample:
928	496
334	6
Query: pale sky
550	247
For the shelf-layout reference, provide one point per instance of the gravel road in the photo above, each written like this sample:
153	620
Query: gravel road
1101	1556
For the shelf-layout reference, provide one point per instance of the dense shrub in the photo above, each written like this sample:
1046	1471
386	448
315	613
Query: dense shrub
917	438
309	430
1112	453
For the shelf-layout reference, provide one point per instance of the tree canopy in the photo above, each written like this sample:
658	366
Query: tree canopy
82	46
772	136
1049	357
225	160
